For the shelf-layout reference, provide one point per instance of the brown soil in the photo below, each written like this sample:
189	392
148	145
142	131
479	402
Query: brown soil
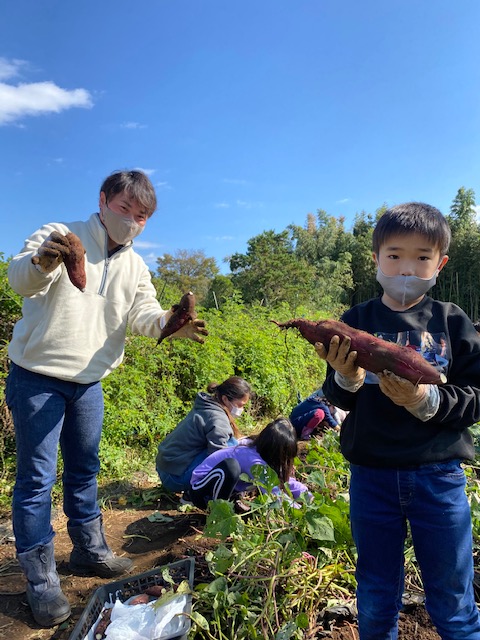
149	544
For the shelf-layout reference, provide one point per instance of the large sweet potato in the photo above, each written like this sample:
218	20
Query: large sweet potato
373	354
68	249
75	262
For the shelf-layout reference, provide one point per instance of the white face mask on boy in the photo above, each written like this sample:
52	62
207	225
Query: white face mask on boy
119	228
405	289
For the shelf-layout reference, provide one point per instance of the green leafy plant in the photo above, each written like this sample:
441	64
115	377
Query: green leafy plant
278	566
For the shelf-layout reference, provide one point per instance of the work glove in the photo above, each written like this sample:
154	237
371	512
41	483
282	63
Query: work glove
340	358
402	392
51	253
192	330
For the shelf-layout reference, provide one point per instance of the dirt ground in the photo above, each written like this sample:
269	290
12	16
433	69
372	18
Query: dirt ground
149	544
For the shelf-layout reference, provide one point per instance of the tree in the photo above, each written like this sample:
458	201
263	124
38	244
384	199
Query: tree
462	209
188	271
270	272
460	277
221	289
324	244
363	266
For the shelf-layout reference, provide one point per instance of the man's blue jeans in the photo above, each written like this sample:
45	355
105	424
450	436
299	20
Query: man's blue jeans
432	499
48	412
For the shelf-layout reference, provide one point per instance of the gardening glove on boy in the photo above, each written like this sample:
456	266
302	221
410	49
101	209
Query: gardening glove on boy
421	400
51	253
348	375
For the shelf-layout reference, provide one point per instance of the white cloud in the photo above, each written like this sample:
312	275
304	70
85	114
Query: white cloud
221	205
38	98
249	205
342	201
133	125
162	185
150	259
144	244
11	68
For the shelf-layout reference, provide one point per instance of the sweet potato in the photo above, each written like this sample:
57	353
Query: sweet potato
102	625
155	590
67	249
183	312
75	262
373	354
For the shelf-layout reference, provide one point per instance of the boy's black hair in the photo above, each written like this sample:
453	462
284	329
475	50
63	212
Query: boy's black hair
413	217
277	445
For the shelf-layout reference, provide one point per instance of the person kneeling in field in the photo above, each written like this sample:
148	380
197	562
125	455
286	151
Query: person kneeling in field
312	414
208	427
218	476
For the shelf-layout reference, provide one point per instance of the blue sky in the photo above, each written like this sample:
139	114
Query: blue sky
247	115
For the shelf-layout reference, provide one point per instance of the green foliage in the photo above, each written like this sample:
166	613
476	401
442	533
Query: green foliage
271	273
10	304
188	271
274	570
462	210
155	386
221	289
459	280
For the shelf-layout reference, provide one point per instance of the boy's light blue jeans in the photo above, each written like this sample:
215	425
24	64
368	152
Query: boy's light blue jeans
48	412
432	498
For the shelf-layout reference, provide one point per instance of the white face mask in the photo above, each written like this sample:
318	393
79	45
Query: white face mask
236	411
405	289
119	228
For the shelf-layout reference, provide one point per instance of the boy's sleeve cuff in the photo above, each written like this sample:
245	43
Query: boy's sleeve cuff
347	383
429	404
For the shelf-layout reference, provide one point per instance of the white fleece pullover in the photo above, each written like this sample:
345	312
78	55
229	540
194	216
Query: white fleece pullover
77	336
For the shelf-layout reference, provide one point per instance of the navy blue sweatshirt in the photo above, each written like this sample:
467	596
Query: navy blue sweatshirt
379	433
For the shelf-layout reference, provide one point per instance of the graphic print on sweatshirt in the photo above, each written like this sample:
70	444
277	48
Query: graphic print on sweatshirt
431	346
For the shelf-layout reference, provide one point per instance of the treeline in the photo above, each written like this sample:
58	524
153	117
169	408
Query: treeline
322	265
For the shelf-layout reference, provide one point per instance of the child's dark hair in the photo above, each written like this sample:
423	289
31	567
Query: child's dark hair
136	185
413	217
277	444
234	388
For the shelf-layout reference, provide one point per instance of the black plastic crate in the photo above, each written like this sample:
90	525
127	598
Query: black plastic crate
132	585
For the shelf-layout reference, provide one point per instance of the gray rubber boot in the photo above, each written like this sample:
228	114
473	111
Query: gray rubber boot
91	554
48	604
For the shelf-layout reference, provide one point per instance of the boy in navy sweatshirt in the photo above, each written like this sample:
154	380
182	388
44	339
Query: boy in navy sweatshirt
405	442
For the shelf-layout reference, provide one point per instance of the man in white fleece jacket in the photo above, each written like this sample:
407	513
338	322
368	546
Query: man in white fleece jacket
67	341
